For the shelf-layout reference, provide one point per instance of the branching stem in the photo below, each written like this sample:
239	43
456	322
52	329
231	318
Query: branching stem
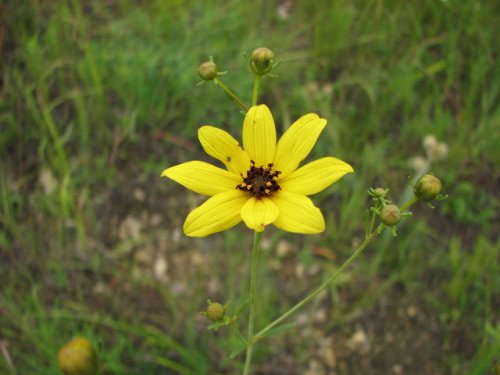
314	293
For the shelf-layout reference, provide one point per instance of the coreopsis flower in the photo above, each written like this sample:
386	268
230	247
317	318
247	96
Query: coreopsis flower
262	183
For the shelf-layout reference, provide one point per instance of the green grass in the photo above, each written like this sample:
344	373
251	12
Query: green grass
97	98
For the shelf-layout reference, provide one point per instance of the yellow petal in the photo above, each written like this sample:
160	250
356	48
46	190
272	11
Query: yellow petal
257	213
218	213
222	146
297	143
315	176
202	178
259	135
298	214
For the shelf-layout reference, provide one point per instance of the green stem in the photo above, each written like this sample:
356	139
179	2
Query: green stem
256	87
372	221
251	315
313	294
408	204
230	93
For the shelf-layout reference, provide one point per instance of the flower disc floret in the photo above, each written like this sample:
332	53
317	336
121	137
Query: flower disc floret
263	182
260	182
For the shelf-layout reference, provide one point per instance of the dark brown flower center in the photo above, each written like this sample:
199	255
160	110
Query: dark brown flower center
260	182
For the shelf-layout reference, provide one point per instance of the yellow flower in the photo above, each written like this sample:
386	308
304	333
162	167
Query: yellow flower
263	183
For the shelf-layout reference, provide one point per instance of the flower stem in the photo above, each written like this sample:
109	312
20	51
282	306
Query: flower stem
314	293
230	93
251	315
409	203
372	221
256	87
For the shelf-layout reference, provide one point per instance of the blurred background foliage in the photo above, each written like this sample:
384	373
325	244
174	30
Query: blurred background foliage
98	97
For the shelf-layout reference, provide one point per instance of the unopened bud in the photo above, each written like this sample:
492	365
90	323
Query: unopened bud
427	188
78	357
208	70
262	60
390	215
380	192
215	311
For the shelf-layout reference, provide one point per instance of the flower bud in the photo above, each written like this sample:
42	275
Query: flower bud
208	70
427	188
78	357
262	60
215	311
380	192
390	215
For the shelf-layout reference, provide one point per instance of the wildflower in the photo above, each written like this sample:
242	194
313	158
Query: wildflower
263	183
